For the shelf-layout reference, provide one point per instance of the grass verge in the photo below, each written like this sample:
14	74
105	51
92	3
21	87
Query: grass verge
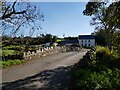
8	63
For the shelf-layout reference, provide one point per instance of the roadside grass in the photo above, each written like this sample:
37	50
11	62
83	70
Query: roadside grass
101	72
86	79
13	55
8	63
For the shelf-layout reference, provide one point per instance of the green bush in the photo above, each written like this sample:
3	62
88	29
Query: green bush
109	58
97	66
115	55
5	64
0	63
8	52
103	53
14	47
12	52
102	71
10	63
89	80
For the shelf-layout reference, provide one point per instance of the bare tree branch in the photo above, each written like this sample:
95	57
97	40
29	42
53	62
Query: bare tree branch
13	19
13	6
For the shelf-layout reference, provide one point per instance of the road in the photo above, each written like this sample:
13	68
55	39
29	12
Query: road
38	73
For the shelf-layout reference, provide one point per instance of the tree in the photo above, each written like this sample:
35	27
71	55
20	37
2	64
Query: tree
70	38
101	37
113	14
17	16
104	18
54	38
48	38
116	41
92	8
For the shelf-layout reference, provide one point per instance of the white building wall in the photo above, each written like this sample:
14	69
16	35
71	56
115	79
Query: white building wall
93	42
87	42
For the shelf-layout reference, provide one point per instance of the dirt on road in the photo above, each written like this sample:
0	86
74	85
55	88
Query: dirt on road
48	73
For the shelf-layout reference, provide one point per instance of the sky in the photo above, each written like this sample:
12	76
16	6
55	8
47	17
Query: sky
64	18
61	18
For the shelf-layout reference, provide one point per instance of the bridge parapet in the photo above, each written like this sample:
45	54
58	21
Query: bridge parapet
41	52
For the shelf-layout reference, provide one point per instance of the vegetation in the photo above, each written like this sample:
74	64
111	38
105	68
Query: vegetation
9	63
70	38
101	71
13	15
109	79
105	19
42	39
13	54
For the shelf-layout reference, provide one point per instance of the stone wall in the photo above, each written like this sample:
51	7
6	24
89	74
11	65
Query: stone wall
41	52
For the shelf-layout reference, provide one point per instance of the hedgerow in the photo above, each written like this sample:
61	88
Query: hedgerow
101	72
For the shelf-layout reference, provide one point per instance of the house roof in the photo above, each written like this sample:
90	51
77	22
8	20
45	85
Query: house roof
69	42
86	37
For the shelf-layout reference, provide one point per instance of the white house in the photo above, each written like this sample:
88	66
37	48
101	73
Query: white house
86	40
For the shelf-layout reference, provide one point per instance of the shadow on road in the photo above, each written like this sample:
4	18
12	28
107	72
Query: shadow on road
55	79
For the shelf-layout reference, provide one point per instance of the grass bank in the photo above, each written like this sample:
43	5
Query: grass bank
98	70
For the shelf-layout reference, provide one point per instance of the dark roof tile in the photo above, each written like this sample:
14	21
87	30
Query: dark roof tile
86	37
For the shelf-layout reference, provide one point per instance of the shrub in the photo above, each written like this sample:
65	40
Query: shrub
0	63
10	63
14	47
110	58
86	79
103	53
115	54
17	62
97	66
5	64
102	71
8	52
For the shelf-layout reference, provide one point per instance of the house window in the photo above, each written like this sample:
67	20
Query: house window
82	45
89	41
88	44
82	40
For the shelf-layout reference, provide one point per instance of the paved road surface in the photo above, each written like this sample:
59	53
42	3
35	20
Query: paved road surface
46	72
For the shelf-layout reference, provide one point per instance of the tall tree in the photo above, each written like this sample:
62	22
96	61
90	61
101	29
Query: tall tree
104	18
54	38
48	38
16	16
